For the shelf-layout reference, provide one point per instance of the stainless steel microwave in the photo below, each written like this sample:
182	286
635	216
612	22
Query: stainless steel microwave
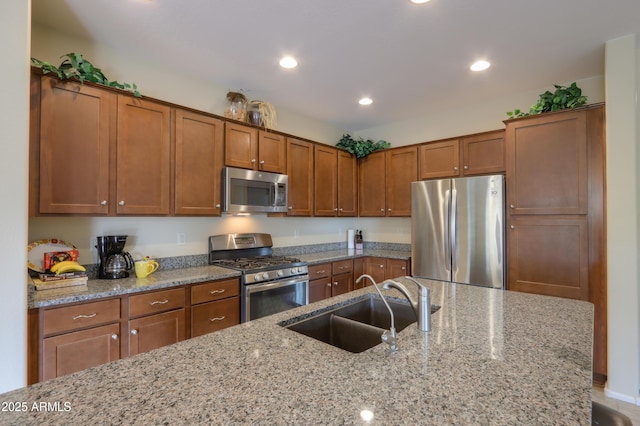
249	191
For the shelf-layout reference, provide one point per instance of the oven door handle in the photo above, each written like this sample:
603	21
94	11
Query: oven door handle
256	288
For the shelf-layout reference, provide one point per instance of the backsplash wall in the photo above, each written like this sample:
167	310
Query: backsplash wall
158	236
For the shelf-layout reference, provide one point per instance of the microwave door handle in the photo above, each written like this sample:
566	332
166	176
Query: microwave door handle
273	194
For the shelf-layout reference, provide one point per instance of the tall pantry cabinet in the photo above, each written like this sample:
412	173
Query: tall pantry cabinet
556	211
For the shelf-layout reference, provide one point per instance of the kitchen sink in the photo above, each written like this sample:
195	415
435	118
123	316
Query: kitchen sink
357	326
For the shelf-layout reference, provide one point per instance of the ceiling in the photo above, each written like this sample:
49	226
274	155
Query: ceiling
410	59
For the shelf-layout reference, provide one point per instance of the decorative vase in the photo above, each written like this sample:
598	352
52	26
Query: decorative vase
236	106
254	115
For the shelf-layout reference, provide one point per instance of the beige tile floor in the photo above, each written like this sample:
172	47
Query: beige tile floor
631	410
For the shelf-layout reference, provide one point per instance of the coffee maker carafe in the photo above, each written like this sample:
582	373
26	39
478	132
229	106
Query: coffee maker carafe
114	261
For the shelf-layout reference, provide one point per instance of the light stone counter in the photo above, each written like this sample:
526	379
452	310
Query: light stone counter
97	289
492	357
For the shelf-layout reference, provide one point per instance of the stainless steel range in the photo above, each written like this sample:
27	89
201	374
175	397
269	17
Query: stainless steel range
269	284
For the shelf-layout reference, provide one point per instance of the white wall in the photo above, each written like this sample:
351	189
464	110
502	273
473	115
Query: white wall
623	216
14	122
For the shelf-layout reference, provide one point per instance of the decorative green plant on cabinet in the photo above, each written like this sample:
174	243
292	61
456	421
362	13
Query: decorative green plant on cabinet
563	98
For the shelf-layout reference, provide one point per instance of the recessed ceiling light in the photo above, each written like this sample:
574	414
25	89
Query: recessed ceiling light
480	66
365	101
418	1
288	62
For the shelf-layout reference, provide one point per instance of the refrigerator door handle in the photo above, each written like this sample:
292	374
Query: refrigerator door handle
447	236
454	226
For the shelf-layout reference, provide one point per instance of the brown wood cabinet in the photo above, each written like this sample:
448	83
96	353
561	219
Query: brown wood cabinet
334	185
381	268
483	153
477	154
199	156
440	159
71	136
556	210
158	319
300	172
330	279
250	148
143	159
385	182
77	337
215	305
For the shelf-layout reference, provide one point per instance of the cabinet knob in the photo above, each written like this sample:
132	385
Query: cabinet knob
388	210
261	161
381	210
335	209
103	202
512	227
114	337
340	208
134	331
382	266
455	168
466	167
121	203
512	206
335	283
253	160
217	206
290	207
329	285
404	268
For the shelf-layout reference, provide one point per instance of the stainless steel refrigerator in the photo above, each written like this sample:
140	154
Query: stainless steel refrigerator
457	230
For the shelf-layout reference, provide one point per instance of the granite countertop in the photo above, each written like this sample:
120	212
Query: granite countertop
97	289
164	278
493	357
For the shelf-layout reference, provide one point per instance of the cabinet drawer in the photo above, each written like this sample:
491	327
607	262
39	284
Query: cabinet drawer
81	316
319	271
214	290
342	267
157	301
213	316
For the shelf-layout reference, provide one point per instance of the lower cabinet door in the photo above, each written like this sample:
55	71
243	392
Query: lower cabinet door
154	331
341	284
396	268
319	289
213	316
71	352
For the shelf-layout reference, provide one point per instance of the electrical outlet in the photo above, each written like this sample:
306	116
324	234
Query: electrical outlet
182	238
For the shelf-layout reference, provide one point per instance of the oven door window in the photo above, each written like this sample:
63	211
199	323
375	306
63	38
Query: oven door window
267	299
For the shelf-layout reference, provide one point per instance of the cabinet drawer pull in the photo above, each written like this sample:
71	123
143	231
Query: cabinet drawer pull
320	272
159	302
216	291
216	319
84	316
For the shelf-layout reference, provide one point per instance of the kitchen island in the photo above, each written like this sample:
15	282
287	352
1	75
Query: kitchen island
492	357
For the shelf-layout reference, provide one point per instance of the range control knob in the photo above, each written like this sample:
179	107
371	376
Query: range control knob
280	273
256	277
265	276
293	270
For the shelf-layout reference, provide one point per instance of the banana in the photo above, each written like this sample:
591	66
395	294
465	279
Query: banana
67	266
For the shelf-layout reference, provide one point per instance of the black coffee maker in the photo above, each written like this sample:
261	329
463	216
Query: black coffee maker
114	261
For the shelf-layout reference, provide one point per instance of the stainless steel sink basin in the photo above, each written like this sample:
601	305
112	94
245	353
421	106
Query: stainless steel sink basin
357	326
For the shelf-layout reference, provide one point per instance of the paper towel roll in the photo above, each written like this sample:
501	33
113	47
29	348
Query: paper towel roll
350	238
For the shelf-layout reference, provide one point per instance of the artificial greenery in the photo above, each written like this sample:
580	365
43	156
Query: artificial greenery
563	98
361	147
75	66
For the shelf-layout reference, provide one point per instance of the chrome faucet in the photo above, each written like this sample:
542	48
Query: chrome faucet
389	336
421	307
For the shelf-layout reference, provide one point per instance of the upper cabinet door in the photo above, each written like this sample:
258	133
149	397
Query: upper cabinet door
75	126
547	164
199	152
300	171
440	159
272	152
143	157
347	184
483	153
371	185
241	146
325	180
402	169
